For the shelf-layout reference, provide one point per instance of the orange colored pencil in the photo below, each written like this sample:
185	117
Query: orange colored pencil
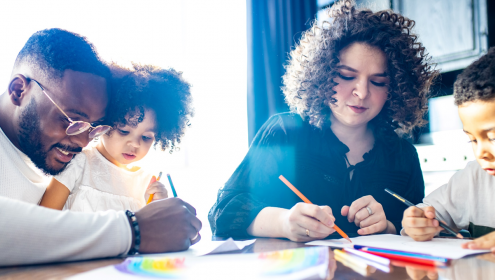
306	200
152	195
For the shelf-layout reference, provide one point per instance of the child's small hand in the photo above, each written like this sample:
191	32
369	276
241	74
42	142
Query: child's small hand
157	189
420	224
487	241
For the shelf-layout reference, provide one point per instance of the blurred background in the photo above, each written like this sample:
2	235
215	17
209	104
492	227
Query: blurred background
233	52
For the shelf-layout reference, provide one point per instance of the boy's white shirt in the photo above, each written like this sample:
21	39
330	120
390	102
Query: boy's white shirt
33	234
469	196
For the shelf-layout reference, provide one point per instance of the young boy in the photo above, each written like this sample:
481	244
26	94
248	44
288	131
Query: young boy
467	200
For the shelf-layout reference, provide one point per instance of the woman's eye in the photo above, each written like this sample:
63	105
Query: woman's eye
145	138
123	132
345	77
379	84
472	141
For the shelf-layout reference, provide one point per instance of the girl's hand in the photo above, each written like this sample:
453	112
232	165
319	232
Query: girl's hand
359	213
157	189
306	218
487	242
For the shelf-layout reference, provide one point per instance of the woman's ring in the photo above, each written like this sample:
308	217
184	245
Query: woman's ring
307	232
369	210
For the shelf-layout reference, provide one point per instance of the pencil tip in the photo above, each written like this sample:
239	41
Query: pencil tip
460	236
349	239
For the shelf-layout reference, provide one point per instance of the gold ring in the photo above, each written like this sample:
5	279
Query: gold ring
307	232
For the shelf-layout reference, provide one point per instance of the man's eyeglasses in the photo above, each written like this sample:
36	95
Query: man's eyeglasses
78	127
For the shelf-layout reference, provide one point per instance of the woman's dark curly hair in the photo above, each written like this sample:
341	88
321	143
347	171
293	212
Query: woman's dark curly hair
312	66
477	81
147	87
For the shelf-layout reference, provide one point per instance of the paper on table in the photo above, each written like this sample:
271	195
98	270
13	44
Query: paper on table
215	247
439	247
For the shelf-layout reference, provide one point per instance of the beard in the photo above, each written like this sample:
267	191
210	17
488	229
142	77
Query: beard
30	141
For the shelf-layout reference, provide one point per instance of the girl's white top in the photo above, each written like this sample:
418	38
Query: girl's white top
96	184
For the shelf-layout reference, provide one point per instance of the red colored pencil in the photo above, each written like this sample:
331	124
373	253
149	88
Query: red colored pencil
414	265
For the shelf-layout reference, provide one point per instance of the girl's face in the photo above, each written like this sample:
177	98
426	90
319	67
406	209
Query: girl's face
362	85
128	144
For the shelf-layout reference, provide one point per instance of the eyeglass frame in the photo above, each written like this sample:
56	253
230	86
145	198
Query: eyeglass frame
72	122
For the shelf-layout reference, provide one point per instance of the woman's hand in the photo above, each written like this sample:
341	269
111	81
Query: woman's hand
375	222
487	242
305	222
157	189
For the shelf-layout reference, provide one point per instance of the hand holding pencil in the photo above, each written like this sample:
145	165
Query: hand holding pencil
156	190
420	224
306	221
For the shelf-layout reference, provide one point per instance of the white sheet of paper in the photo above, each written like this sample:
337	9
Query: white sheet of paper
215	247
439	247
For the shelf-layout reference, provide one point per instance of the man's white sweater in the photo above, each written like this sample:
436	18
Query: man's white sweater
33	234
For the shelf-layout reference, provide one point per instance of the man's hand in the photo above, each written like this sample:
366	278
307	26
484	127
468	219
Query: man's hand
487	241
168	225
419	224
359	214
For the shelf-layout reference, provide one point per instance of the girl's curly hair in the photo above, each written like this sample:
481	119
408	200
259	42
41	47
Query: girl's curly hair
311	69
147	87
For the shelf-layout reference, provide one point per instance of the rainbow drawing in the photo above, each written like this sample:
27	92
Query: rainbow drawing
284	264
293	260
166	268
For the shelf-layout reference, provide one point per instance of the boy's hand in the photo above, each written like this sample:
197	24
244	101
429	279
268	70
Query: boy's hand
420	224
157	189
487	241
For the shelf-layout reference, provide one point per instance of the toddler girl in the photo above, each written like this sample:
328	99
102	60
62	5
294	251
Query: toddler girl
148	106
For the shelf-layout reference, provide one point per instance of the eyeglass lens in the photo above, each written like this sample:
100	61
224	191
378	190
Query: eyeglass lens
99	131
77	127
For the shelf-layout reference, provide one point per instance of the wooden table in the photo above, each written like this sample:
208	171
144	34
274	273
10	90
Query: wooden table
479	267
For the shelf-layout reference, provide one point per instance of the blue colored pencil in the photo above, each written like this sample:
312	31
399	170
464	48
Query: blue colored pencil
401	253
171	185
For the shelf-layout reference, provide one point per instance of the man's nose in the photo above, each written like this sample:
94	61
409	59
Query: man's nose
81	140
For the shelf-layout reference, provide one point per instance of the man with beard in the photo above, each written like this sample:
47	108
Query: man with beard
54	104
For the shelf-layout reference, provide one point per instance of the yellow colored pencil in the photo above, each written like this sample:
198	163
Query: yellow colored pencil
152	195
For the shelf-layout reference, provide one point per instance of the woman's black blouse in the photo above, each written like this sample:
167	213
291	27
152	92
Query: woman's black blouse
314	161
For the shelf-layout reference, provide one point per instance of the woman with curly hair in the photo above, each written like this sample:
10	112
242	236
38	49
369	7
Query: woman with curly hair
149	106
355	86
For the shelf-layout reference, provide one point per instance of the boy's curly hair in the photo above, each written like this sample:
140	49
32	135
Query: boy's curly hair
311	69
147	87
477	81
